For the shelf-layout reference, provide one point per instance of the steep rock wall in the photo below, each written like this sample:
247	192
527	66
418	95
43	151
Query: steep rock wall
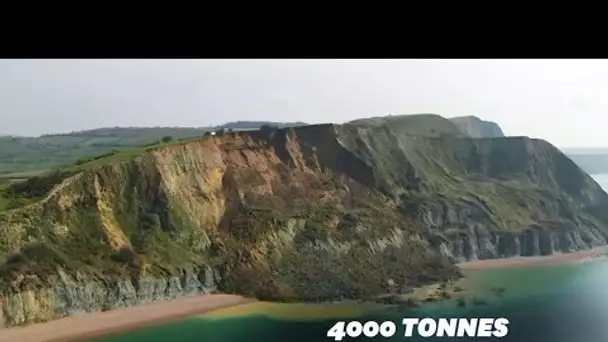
487	198
292	215
311	213
78	294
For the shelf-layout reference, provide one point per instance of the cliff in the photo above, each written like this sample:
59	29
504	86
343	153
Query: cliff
309	213
592	163
429	125
477	128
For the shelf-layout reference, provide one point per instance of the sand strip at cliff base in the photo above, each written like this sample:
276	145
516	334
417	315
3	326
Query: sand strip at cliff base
77	328
555	259
296	311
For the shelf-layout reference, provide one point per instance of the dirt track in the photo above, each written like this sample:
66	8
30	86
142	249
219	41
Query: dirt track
100	323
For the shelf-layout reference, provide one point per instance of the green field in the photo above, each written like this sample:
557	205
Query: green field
23	157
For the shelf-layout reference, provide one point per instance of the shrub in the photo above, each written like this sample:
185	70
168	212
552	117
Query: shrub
43	253
150	221
35	187
268	130
85	160
16	258
14	203
166	139
125	255
141	242
37	259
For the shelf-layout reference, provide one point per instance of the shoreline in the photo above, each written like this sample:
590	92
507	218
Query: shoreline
98	324
553	259
294	311
453	290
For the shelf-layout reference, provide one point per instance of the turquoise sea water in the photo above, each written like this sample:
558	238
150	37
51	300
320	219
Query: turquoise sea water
554	303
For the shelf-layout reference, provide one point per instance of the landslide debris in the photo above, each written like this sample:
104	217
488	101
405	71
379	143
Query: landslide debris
309	213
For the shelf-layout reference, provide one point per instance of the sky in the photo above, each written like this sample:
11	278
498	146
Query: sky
562	101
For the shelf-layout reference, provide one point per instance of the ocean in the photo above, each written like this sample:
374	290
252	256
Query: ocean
602	180
552	303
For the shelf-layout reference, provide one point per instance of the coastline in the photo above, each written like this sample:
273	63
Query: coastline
294	311
459	288
97	324
215	306
553	259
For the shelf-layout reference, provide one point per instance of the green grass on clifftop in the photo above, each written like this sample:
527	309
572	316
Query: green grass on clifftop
311	213
26	155
18	194
415	124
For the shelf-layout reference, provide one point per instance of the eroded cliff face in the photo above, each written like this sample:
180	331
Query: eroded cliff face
309	213
274	216
78	293
488	198
477	128
465	233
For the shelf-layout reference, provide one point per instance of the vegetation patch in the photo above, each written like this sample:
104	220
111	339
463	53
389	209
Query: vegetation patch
337	212
28	154
30	267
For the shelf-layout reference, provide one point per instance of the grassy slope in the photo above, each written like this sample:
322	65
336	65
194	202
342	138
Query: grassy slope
510	176
416	124
16	194
513	178
446	163
19	155
165	238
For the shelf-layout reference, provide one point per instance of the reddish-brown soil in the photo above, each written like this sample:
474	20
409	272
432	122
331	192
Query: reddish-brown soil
101	323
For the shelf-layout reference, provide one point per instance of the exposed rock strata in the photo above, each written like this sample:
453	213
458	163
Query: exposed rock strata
77	294
311	213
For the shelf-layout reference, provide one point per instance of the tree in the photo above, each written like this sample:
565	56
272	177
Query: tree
125	255
167	139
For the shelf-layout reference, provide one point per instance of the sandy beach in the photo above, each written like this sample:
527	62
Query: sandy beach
296	311
77	328
536	260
